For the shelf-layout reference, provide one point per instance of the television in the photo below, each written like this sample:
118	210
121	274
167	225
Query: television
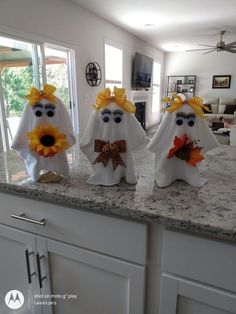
142	71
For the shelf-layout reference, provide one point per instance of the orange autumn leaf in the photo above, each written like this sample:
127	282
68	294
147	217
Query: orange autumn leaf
179	142
195	156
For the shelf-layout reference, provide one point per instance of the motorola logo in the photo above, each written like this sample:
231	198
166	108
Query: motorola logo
14	299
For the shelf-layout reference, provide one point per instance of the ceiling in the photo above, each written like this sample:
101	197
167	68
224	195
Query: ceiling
168	24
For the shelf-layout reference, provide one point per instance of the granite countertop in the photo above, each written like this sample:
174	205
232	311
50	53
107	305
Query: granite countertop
210	210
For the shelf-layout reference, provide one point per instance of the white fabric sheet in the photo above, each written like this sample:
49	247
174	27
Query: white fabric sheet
169	170
33	161
128	129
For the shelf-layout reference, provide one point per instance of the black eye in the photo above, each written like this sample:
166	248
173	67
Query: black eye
38	113
50	113
191	122
105	119
118	119
49	110
179	120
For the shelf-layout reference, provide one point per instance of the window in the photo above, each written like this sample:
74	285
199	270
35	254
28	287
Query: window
156	80
113	66
24	64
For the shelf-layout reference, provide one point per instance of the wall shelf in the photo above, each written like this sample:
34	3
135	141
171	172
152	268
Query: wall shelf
185	84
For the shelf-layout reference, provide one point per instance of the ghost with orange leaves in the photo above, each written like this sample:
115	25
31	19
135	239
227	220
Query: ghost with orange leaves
181	141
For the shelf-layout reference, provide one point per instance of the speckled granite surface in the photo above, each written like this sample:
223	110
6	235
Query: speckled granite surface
210	210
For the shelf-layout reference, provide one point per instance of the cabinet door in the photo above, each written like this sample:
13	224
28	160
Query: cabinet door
17	271
179	296
86	282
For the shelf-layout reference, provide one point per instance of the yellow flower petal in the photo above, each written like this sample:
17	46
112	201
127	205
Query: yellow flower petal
36	135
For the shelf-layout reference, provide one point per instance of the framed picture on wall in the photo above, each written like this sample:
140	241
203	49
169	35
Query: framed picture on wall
221	81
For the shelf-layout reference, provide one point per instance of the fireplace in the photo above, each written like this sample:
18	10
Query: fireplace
140	113
142	101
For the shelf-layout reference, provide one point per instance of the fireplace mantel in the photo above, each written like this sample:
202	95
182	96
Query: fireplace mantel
140	95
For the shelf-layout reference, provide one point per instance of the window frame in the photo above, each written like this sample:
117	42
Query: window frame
156	85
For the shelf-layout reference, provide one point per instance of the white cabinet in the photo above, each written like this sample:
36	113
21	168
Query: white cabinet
181	296
100	284
86	263
198	275
18	269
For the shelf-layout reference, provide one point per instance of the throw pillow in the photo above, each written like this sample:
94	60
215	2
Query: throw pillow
209	107
229	109
228	123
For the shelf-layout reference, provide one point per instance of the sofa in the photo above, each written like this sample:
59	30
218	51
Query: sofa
220	107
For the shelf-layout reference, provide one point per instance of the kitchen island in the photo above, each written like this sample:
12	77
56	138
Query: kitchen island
174	233
210	210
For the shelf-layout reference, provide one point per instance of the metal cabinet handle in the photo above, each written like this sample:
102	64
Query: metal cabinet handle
27	254
39	270
41	222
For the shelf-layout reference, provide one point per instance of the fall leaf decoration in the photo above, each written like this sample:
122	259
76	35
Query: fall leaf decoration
47	140
186	150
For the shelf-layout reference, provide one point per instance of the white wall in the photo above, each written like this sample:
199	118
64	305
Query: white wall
67	23
204	66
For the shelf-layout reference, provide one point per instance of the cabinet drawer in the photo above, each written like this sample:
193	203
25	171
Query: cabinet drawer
112	236
209	261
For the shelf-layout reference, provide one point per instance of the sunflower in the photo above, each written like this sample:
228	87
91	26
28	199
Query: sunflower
47	140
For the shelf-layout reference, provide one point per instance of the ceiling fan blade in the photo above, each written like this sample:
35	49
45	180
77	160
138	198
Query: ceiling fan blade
209	51
198	49
229	49
231	44
210	46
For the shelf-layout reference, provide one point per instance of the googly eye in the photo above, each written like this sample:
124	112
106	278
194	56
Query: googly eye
117	115
105	119
191	122
179	120
38	112
50	112
117	119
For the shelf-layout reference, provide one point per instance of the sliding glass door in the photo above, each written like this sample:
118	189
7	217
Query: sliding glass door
24	64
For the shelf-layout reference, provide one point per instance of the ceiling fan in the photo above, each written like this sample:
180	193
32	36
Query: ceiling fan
220	46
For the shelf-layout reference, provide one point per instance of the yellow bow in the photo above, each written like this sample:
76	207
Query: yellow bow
195	103
36	95
118	96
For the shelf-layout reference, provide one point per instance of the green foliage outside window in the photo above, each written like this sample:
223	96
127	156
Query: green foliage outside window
57	75
17	82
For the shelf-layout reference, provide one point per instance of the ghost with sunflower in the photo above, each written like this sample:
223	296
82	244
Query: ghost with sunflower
181	141
45	133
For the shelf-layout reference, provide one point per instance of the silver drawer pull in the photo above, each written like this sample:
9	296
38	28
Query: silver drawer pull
41	222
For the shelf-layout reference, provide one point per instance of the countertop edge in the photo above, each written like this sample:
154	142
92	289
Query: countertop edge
125	213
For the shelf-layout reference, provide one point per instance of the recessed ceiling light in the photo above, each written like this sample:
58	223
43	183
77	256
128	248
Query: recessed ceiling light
149	25
174	47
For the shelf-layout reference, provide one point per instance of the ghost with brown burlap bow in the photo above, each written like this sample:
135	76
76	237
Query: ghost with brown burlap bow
110	151
111	136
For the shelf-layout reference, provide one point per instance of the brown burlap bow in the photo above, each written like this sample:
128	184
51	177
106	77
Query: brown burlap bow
110	151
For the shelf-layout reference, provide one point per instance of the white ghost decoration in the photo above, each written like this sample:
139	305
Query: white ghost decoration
180	142
44	133
111	135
